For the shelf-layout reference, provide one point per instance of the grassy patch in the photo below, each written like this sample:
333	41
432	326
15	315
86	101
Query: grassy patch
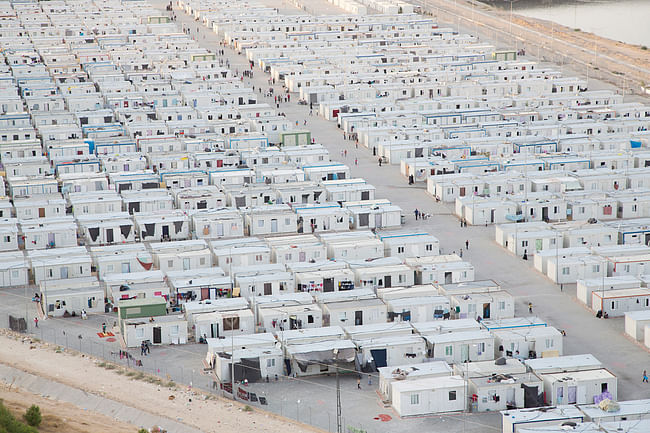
154	380
9	423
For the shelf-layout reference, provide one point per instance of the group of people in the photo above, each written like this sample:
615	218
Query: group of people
419	215
144	348
359	381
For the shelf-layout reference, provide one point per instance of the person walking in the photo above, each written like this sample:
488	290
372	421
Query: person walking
530	307
356	161
379	161
359	382
467	244
345	153
369	380
104	328
645	377
417	214
460	252
36	321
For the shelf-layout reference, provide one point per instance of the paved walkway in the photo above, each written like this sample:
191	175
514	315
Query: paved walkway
87	401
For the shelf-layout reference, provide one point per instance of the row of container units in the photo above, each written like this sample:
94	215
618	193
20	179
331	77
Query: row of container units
143	193
257	267
588	396
623	265
608	417
168	224
548	207
466	164
387	345
535	237
132	172
300	310
171	157
449	187
398	355
172	229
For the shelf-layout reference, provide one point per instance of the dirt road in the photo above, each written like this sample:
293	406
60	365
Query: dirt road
623	65
85	388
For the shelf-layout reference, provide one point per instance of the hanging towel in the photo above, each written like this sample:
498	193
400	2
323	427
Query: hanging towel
125	230
146	266
94	233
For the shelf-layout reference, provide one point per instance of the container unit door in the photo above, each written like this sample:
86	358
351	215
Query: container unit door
328	284
464	353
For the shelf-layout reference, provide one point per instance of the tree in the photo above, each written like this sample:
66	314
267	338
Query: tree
33	416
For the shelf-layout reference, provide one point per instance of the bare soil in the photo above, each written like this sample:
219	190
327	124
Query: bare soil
199	410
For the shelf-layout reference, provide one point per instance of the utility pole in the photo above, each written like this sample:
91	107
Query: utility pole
339	424
232	365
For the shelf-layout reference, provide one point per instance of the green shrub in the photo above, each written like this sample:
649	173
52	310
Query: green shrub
9	423
33	416
143	430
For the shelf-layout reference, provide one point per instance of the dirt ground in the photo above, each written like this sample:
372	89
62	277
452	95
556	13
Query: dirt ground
59	416
192	408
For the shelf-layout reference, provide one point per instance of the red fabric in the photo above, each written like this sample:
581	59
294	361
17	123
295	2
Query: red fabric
146	266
